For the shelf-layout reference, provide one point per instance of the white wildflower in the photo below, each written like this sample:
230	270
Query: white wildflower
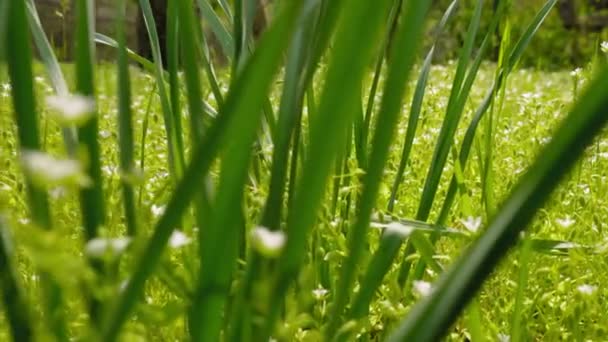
179	239
268	242
565	222
157	210
319	293
398	229
423	288
586	289
604	47
71	109
100	247
471	223
503	337
45	170
576	72
104	134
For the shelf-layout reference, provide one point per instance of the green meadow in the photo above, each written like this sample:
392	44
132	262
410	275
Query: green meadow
325	185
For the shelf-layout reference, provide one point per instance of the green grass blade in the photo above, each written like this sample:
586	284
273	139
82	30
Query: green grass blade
176	156
224	230
17	310
445	141
53	69
399	68
217	27
430	319
235	116
367	118
125	124
416	107
452	117
290	109
92	203
500	80
91	198
335	115
3	26
522	283
19	58
290	114
145	63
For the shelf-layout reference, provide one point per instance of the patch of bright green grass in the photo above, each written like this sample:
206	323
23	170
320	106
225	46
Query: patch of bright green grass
563	298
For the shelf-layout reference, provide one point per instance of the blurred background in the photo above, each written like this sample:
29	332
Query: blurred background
567	39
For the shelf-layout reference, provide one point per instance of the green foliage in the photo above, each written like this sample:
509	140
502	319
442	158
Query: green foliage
250	226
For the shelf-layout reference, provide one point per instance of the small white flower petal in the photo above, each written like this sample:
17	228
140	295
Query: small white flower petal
604	47
565	222
503	337
46	170
586	289
100	247
179	239
157	210
268	242
423	288
399	229
472	224
319	293
71	109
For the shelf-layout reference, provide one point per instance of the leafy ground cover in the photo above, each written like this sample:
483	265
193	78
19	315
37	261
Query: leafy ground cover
551	288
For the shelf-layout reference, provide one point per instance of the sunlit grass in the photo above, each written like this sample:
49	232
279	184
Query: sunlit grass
555	299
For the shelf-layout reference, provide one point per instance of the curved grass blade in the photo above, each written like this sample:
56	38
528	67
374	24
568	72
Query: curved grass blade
399	68
235	116
145	63
53	69
225	229
176	156
335	115
469	136
454	112
125	124
290	112
416	107
219	30
430	319
14	301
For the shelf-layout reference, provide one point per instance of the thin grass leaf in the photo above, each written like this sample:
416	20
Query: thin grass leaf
17	309
19	58
145	63
125	124
416	107
430	319
290	112
176	156
499	82
224	230
399	68
51	64
235	116
217	27
340	95
3	26
445	140
522	283
92	205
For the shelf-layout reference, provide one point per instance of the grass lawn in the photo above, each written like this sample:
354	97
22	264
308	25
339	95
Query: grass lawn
555	294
